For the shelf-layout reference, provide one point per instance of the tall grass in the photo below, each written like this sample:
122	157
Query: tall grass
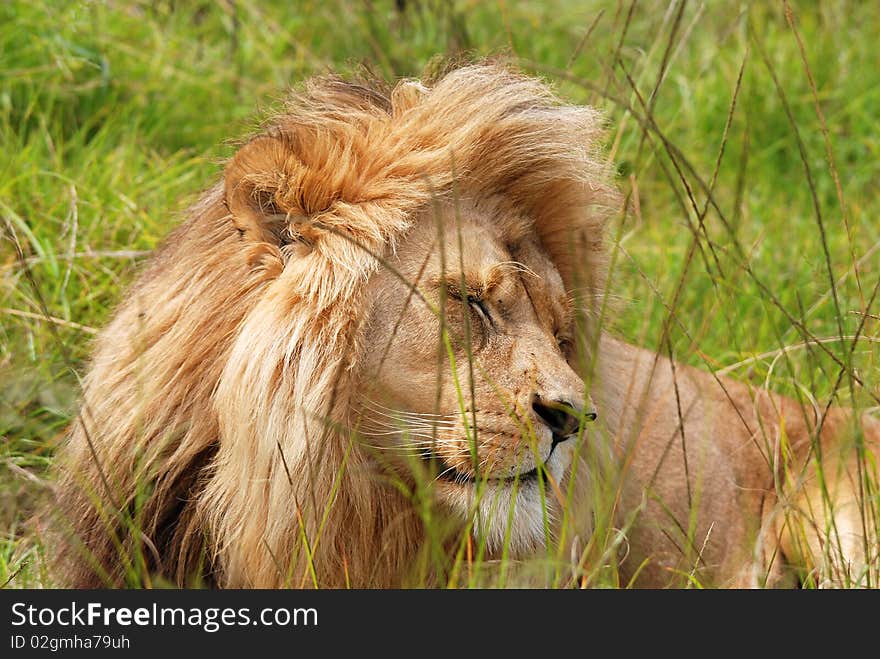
745	137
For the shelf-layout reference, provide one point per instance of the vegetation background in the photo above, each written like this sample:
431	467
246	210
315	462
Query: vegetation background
745	135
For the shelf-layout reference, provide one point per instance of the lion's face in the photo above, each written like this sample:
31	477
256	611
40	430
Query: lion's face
494	411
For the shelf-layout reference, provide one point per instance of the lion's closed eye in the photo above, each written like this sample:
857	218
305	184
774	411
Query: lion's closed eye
467	307
565	343
481	309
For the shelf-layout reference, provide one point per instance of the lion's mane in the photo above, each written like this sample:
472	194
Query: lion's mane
214	442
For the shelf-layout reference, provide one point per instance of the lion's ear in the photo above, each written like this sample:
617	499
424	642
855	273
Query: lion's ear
256	182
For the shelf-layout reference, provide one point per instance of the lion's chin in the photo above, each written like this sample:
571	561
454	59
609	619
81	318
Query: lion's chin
510	514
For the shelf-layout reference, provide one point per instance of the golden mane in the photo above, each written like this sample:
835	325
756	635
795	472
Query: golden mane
214	432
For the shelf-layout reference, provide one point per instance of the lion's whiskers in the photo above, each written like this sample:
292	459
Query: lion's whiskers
517	266
394	413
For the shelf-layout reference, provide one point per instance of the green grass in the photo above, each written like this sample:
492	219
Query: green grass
113	116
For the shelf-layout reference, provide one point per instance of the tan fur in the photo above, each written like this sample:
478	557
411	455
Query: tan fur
234	404
751	463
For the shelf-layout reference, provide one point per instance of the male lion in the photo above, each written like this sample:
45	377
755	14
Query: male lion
373	347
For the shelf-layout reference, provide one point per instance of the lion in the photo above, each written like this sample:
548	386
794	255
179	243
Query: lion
376	345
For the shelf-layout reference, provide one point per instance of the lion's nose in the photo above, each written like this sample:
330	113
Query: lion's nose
562	417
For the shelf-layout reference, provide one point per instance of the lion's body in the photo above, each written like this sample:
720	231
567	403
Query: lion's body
217	439
732	512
